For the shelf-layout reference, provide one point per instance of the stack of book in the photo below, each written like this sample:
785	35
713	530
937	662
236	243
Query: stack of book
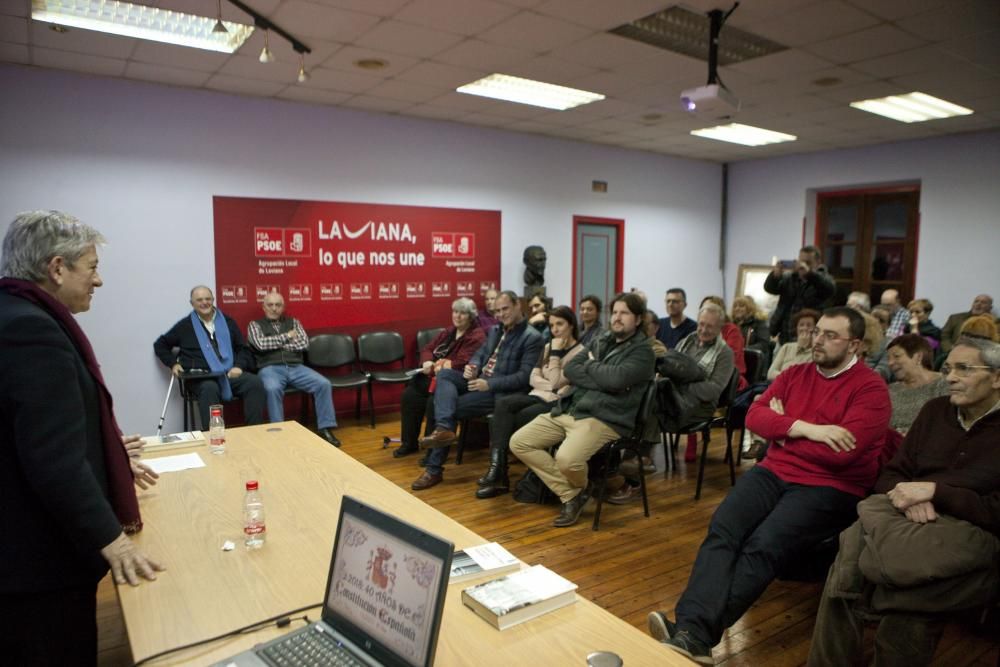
520	596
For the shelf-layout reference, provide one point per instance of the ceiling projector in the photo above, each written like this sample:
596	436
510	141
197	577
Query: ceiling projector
712	101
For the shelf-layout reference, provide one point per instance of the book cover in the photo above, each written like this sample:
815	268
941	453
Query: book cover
519	597
173	440
483	560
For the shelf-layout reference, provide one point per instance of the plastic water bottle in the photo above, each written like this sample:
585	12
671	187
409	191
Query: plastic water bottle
216	431
254	531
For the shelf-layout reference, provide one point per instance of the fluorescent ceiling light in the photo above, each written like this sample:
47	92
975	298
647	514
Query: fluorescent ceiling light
748	135
914	107
141	22
526	91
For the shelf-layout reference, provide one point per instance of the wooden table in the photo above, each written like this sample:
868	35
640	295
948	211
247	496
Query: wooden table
206	591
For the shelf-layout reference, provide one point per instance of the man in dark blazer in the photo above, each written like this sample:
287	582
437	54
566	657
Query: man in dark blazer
211	341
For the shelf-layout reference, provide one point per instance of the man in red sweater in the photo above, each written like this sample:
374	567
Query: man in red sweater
827	422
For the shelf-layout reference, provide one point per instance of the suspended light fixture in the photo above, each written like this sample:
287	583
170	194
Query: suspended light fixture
219	25
265	54
303	74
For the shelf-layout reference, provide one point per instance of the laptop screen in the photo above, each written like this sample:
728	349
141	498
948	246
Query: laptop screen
387	585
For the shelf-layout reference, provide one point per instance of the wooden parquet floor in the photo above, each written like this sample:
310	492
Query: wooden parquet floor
631	566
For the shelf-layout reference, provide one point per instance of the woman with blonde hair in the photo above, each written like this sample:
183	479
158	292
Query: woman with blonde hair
752	322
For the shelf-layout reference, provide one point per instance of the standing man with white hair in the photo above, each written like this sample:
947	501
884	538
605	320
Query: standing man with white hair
66	479
279	343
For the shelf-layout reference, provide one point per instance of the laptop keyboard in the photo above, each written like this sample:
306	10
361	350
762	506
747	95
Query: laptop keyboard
310	649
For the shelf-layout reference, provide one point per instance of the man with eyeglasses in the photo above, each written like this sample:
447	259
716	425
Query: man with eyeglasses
942	501
827	422
676	326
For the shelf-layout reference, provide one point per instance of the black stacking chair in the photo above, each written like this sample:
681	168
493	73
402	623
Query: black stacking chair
425	336
328	352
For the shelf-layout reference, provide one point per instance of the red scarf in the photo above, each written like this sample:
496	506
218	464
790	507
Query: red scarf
116	461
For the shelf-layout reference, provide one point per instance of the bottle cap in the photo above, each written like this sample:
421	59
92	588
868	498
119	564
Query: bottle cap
252	485
216	412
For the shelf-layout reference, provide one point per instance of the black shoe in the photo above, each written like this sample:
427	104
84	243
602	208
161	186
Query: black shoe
499	487
402	451
328	435
661	627
686	645
571	510
497	469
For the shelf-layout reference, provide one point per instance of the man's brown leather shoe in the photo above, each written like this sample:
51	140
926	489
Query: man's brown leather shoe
441	437
426	481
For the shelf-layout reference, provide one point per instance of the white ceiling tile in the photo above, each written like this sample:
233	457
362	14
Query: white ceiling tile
606	83
467	103
78	62
82	41
530	126
251	68
440	75
379	104
282	49
346	57
863	91
863	44
302	93
600	15
981	49
13	53
781	64
550	70
432	111
482	55
465	17
486	119
343	81
168	75
203	8
575	132
534	32
524	4
306	19
234	84
811	23
516	111
411	40
956	19
13	29
168	55
395	89
611	125
897	9
377	7
912	61
606	51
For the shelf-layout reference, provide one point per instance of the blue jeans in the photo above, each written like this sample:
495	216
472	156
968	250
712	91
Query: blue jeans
762	525
278	376
454	402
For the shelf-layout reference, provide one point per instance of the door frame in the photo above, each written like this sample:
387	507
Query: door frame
617	223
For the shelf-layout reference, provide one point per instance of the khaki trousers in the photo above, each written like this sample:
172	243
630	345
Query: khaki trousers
566	474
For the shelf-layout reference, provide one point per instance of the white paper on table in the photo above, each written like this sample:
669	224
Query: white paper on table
175	463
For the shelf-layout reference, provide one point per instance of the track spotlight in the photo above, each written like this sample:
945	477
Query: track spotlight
219	26
303	74
265	54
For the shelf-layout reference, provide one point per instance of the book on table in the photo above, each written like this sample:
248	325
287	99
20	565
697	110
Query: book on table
173	440
520	596
488	559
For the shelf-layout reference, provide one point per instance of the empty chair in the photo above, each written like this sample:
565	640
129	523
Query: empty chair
383	348
328	352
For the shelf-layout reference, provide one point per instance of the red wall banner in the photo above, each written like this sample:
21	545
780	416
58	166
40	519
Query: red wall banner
352	268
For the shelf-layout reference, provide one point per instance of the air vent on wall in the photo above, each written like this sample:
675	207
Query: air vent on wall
687	32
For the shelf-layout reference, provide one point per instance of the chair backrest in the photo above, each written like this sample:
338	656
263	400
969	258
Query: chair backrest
380	347
730	392
330	350
425	336
752	358
646	410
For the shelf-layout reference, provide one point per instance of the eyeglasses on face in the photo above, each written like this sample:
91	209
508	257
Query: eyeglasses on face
828	335
961	370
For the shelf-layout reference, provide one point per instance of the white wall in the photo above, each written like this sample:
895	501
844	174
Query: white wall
959	206
142	162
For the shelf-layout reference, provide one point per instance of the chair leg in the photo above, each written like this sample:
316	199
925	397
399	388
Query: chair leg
739	445
371	404
357	405
642	486
701	467
729	456
602	485
463	430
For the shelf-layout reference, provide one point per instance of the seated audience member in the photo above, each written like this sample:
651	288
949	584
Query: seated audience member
650	327
920	322
450	349
734	339
538	315
279	344
799	351
809	285
981	326
942	503
590	319
486	319
548	384
877	360
874	343
502	365
676	326
859	301
827	422
211	341
699	370
752	323
609	382
981	305
899	317
916	383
